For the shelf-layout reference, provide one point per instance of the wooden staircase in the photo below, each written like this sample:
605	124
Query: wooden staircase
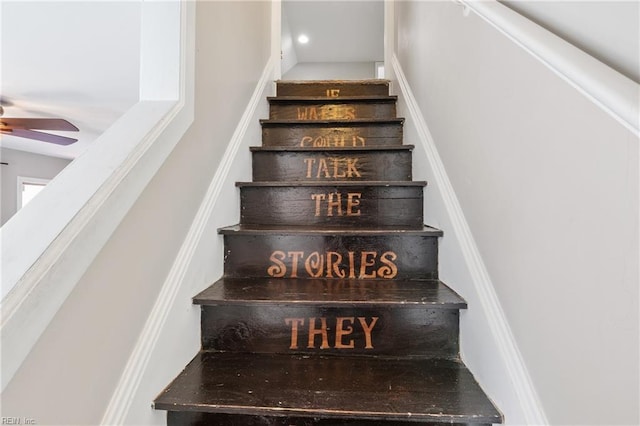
330	311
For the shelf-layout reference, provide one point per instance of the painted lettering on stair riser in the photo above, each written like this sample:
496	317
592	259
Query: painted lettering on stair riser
332	142
331	168
327	112
317	331
333	93
335	203
331	264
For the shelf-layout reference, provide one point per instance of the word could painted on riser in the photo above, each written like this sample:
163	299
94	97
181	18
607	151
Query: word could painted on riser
332	141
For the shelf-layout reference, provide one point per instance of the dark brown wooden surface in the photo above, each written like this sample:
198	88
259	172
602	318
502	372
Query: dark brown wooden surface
418	318
310	164
366	388
332	133
328	88
308	253
346	108
194	418
426	231
335	292
329	311
339	204
346	331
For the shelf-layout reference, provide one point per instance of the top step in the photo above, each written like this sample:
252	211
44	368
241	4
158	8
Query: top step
333	88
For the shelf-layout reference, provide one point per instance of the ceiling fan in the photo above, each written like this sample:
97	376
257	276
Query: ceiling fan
26	128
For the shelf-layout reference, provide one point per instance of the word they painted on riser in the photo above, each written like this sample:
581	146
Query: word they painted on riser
318	332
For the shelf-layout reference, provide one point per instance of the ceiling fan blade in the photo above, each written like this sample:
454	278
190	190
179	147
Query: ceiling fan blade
39	136
39	123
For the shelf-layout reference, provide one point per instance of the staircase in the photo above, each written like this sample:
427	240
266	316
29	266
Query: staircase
330	311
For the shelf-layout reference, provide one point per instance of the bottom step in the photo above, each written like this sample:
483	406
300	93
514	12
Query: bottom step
193	418
324	390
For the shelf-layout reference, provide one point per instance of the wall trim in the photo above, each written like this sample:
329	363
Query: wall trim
505	342
613	92
130	380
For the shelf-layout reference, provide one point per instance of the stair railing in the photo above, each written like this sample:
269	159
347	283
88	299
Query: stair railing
48	246
613	92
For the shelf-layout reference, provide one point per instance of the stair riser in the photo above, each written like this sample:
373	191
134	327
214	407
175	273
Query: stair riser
332	89
331	330
330	110
325	256
177	418
333	206
327	135
331	166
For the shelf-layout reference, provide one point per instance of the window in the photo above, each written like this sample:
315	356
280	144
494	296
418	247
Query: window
28	188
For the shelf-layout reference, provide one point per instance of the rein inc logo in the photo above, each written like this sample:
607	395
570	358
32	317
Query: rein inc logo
17	421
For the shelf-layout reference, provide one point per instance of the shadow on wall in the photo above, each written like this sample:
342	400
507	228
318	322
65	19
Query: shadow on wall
331	71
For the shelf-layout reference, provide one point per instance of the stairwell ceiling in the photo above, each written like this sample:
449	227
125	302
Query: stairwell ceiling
73	60
80	60
338	31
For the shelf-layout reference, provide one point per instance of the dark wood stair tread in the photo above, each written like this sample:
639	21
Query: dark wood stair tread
369	183
334	122
331	292
358	387
350	149
332	88
427	231
324	99
359	82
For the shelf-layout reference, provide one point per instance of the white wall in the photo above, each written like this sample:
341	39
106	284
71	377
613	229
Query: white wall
548	184
77	60
287	50
90	339
23	164
330	71
607	30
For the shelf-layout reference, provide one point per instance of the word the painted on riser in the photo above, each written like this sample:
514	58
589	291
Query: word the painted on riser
327	112
336	203
331	264
344	327
333	167
332	142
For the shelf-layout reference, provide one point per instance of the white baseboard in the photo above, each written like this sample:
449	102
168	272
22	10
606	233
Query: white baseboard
495	330
121	401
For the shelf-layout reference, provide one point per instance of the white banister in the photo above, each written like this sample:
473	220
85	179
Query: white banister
615	93
50	244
